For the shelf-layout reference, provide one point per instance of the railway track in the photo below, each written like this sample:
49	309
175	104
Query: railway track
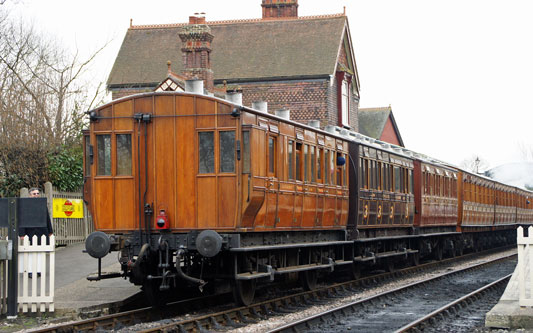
238	317
442	316
387	310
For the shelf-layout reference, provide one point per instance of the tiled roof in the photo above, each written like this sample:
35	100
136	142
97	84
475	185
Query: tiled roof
242	49
372	121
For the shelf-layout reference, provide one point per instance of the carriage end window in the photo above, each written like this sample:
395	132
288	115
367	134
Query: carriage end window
227	151
123	154
246	152
206	152
103	147
88	155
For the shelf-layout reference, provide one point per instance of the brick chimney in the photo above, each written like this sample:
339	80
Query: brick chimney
273	9
196	41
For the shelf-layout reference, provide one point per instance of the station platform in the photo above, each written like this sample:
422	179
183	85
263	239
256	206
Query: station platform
73	292
508	314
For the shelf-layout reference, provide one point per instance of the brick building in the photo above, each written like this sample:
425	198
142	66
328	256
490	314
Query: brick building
304	64
379	123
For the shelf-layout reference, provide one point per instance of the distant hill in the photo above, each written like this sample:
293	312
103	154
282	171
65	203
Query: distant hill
516	174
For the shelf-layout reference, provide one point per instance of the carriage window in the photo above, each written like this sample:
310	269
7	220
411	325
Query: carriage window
411	182
345	170
272	155
88	154
306	163
298	161
103	146
326	172
379	171
227	151
313	164
206	152
123	154
319	158
290	153
332	168
246	152
397	179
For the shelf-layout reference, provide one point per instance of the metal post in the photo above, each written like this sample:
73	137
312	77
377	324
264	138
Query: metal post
12	289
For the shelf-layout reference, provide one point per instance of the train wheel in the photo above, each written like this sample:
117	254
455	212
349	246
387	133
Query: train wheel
459	250
355	271
415	259
244	291
309	279
438	253
389	265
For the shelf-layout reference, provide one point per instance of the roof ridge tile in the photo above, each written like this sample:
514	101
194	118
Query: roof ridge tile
223	22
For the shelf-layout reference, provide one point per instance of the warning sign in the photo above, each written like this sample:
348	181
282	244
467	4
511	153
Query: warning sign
68	209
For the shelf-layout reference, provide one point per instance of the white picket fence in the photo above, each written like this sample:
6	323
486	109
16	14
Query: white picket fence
38	261
525	263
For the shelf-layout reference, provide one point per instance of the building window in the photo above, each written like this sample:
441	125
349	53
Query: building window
345	103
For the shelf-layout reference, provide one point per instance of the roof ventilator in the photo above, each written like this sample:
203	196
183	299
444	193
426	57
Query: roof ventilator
284	113
260	106
314	123
234	97
194	86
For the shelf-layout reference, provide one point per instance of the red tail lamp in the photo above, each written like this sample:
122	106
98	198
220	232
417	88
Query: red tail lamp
161	222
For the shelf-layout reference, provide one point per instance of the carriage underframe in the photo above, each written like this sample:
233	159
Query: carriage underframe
245	261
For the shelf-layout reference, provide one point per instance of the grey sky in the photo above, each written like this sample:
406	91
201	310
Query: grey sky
458	74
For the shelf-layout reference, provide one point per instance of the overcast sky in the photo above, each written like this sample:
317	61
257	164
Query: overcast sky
458	74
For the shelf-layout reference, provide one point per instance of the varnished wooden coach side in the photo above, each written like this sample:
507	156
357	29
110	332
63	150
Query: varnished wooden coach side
436	196
165	168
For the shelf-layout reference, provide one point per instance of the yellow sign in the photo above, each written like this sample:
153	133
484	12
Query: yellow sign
68	209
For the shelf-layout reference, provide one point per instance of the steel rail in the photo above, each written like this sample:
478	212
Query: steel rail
232	317
416	325
305	323
240	316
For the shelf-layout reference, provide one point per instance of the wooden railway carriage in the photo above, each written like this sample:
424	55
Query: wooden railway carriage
381	202
436	201
196	188
524	207
505	203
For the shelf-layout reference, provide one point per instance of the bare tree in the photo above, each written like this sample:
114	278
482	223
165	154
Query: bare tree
43	96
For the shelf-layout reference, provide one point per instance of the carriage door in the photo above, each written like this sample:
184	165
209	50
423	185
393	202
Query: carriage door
272	181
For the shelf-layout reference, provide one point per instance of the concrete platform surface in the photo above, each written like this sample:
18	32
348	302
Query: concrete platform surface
508	314
72	289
